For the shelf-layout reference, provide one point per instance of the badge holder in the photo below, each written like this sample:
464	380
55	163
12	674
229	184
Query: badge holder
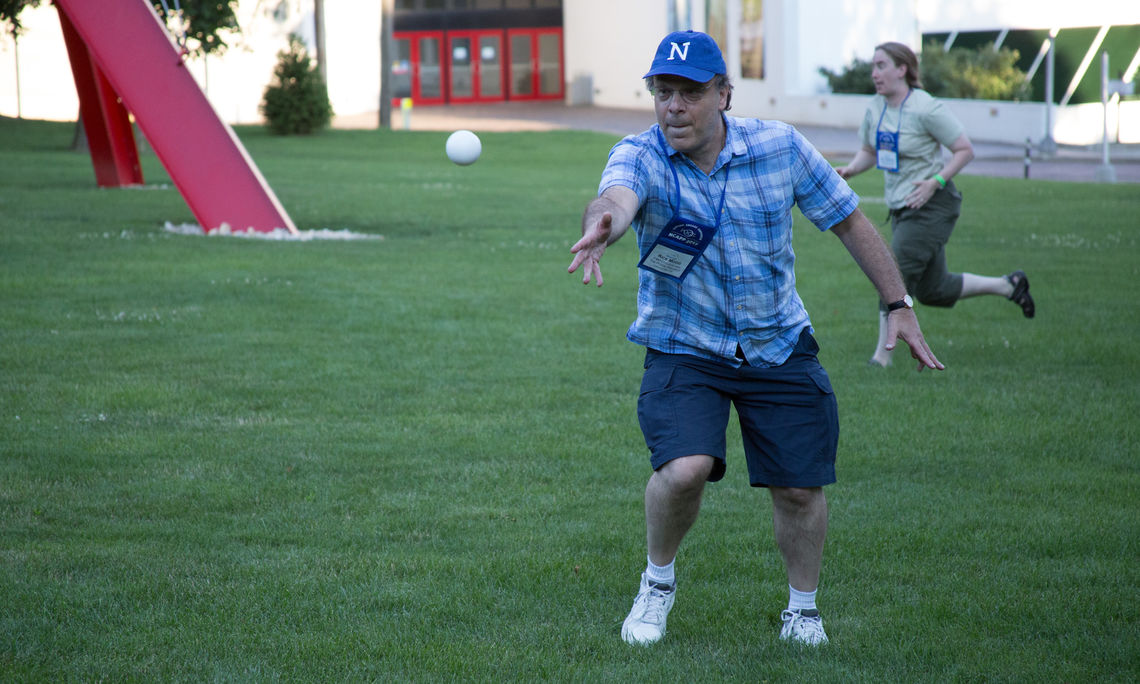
887	151
677	248
887	143
682	241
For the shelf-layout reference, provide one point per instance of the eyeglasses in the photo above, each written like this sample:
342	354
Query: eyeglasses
690	95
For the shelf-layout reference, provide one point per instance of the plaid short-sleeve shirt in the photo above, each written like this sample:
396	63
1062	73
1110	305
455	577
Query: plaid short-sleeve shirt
742	290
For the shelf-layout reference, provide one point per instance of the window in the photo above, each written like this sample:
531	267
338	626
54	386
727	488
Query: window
680	15
752	39
716	16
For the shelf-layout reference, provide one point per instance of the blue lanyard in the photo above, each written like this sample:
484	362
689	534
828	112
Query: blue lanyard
677	182
884	112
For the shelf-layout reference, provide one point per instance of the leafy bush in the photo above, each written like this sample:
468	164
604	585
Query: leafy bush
854	78
297	100
982	73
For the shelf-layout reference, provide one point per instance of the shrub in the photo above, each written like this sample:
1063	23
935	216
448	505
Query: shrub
297	100
982	73
854	78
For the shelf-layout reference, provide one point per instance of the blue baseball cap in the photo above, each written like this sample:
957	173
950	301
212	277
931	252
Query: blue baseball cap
688	54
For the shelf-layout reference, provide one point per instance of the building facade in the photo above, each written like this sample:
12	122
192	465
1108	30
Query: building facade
593	52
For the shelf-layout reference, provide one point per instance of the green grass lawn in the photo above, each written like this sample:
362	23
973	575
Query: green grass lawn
418	458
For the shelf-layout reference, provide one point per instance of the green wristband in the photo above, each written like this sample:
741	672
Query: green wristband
941	181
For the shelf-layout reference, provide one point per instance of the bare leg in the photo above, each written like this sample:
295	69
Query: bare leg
974	285
672	501
881	357
800	520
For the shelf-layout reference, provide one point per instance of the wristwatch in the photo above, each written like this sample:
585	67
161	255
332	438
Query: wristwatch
905	303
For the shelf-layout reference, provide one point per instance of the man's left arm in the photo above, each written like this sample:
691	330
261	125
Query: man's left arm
874	257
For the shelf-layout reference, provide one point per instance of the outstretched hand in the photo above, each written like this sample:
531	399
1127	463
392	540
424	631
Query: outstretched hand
589	250
904	324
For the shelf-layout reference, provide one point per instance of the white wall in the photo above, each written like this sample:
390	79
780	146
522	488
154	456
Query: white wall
352	41
234	82
612	43
936	16
831	33
47	89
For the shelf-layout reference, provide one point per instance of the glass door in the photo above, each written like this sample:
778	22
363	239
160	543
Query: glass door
491	66
535	64
417	70
429	72
475	68
521	75
549	63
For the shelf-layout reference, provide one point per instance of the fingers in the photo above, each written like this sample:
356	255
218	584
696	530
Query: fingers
589	265
920	351
909	332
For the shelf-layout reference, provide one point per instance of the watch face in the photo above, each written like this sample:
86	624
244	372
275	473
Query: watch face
908	301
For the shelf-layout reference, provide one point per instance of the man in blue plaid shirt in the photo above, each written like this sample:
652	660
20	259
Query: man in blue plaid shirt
710	198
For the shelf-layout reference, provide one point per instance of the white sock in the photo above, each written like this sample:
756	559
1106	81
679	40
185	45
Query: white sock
800	600
659	574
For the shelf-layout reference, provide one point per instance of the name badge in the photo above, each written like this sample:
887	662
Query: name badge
887	146
677	248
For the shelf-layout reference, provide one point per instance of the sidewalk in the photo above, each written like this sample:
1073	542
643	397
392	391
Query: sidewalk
1074	164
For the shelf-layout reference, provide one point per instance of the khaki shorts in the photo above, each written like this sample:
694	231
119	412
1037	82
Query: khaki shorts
918	240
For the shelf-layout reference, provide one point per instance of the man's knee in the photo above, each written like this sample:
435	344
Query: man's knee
944	293
687	473
796	498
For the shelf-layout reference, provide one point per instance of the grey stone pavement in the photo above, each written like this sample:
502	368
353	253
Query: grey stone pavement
1069	163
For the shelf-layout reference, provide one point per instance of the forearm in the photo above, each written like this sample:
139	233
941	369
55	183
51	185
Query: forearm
872	255
616	203
956	163
864	159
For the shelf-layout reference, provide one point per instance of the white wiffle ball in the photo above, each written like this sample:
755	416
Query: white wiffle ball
463	147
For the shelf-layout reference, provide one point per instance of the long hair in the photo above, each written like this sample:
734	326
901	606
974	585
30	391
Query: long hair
901	55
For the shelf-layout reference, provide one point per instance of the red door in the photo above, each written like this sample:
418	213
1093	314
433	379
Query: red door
475	66
437	67
535	67
417	70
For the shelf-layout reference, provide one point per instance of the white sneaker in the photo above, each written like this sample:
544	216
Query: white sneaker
803	626
646	621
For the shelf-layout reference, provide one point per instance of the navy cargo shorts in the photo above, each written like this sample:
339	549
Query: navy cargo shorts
789	418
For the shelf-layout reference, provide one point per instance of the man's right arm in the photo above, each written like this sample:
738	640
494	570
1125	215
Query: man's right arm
605	220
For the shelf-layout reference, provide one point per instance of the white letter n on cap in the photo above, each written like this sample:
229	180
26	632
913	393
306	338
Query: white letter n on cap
676	50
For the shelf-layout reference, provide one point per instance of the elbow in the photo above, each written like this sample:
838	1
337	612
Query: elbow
965	153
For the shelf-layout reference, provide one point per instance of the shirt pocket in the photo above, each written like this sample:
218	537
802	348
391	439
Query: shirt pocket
763	232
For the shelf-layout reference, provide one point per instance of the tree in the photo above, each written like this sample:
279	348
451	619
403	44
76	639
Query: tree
10	13
968	73
206	23
982	73
296	101
855	78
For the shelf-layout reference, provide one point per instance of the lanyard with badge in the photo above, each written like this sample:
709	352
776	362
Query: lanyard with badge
682	240
887	143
